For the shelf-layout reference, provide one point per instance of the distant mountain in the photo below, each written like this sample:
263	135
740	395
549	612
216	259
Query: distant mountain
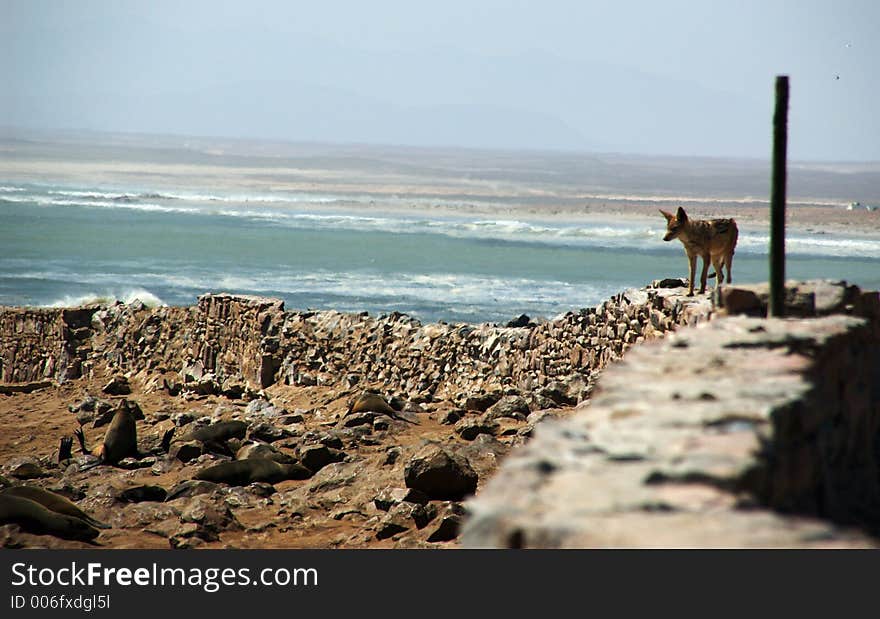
313	90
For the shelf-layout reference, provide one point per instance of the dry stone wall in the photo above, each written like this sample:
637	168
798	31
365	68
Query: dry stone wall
255	341
42	344
712	437
252	342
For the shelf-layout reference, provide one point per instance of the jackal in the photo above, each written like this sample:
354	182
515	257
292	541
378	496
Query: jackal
713	239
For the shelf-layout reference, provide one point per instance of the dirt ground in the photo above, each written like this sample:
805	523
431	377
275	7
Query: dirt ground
335	508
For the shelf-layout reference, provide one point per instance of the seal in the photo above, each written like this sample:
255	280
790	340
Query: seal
372	402
120	440
263	450
34	518
65	449
244	472
214	437
53	502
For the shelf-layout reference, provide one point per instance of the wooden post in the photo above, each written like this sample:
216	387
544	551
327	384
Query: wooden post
777	199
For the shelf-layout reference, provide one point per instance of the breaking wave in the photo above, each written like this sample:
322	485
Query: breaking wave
106	298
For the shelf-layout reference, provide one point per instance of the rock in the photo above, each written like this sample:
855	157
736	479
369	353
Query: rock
390	525
206	385
389	496
330	440
440	473
294	417
185	451
521	321
211	516
451	417
164	528
482	402
469	428
316	457
85	417
182	419
513	406
392	454
187	535
191	488
261	407
358	419
144	515
232	388
484	454
258	488
136	494
192	371
87	404
29	469
264	431
738	301
420	513
559	393
172	387
132	464
447	522
118	385
334	476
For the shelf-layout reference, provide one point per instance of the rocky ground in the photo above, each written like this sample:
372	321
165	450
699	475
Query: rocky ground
357	497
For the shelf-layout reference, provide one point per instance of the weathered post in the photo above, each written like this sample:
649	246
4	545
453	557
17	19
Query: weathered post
777	199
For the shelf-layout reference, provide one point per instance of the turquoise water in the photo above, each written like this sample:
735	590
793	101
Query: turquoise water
64	245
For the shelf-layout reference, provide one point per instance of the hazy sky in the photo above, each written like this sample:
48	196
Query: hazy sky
683	78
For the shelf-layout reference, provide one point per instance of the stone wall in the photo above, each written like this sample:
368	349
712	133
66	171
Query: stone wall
712	437
255	340
231	339
37	344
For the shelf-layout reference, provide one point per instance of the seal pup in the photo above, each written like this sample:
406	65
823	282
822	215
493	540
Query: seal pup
244	472
53	502
252	450
371	402
214	437
120	440
34	518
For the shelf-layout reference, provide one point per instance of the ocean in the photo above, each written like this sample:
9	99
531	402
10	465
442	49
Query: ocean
64	244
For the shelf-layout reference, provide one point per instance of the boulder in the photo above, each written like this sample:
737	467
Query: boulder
440	473
316	457
470	427
513	406
118	385
447	523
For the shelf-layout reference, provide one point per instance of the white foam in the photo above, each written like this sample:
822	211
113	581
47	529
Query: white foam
288	210
127	296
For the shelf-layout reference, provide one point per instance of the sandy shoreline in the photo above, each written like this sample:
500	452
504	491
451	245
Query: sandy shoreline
526	187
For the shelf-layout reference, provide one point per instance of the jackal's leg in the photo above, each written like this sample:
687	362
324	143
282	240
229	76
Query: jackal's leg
729	261
692	267
718	264
705	273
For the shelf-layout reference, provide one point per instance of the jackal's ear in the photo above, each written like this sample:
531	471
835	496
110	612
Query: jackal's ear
668	216
681	215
